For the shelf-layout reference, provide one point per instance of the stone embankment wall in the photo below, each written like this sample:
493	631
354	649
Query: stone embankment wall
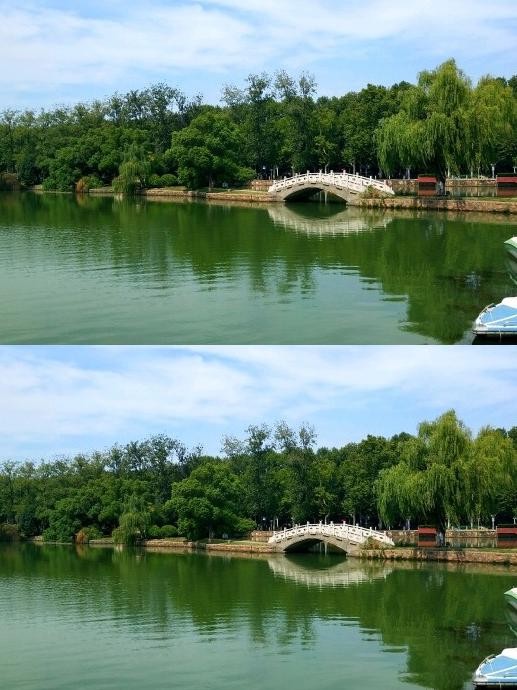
448	555
438	204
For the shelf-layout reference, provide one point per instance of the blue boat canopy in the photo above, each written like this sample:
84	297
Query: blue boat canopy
498	319
497	671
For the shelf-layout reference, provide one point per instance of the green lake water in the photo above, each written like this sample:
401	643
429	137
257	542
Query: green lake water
79	617
102	270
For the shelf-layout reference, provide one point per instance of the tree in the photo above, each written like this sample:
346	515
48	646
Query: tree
427	482
133	172
446	476
208	152
208	502
133	523
444	125
301	477
297	124
358	472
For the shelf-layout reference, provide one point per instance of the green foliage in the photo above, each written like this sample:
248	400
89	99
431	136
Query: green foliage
134	172
274	125
168	180
207	152
208	502
445	125
444	475
157	488
163	532
133	523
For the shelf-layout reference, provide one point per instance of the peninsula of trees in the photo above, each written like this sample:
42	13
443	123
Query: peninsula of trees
273	477
273	126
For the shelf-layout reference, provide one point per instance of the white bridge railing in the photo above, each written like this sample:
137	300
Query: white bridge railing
342	531
354	183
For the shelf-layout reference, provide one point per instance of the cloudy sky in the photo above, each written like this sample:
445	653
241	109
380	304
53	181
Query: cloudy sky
58	51
56	400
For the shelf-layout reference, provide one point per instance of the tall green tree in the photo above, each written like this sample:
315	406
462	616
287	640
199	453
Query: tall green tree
209	502
444	475
207	152
444	125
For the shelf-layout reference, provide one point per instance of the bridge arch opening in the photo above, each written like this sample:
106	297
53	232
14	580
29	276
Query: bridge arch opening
313	193
315	545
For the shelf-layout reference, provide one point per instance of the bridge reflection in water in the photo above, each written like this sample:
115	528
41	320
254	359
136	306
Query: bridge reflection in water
340	223
344	573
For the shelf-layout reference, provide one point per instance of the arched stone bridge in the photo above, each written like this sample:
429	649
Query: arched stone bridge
345	186
347	538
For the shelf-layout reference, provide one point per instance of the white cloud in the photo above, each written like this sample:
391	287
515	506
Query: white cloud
46	48
47	397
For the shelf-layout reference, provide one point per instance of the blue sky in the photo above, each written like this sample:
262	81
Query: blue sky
58	400
63	52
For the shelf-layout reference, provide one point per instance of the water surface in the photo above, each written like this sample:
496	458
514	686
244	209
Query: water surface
78	617
103	270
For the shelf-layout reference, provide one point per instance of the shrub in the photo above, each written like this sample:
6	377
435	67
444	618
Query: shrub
133	524
164	532
168	180
84	184
154	181
9	532
86	533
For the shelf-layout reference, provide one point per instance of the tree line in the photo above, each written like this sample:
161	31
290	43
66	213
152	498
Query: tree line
272	477
274	125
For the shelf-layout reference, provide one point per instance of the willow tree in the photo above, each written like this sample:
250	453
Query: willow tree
491	470
490	128
444	125
427	482
444	474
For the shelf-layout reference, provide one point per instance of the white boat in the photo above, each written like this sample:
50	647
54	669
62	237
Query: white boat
497	671
497	319
511	246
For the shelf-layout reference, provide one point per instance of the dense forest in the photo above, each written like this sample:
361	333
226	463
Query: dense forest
273	126
272	477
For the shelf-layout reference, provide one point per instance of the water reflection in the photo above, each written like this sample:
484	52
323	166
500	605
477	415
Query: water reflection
327	571
103	270
341	222
433	623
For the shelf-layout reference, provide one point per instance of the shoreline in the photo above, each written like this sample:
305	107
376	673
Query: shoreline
445	555
253	197
450	554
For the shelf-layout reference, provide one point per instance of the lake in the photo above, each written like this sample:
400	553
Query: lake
122	271
79	617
